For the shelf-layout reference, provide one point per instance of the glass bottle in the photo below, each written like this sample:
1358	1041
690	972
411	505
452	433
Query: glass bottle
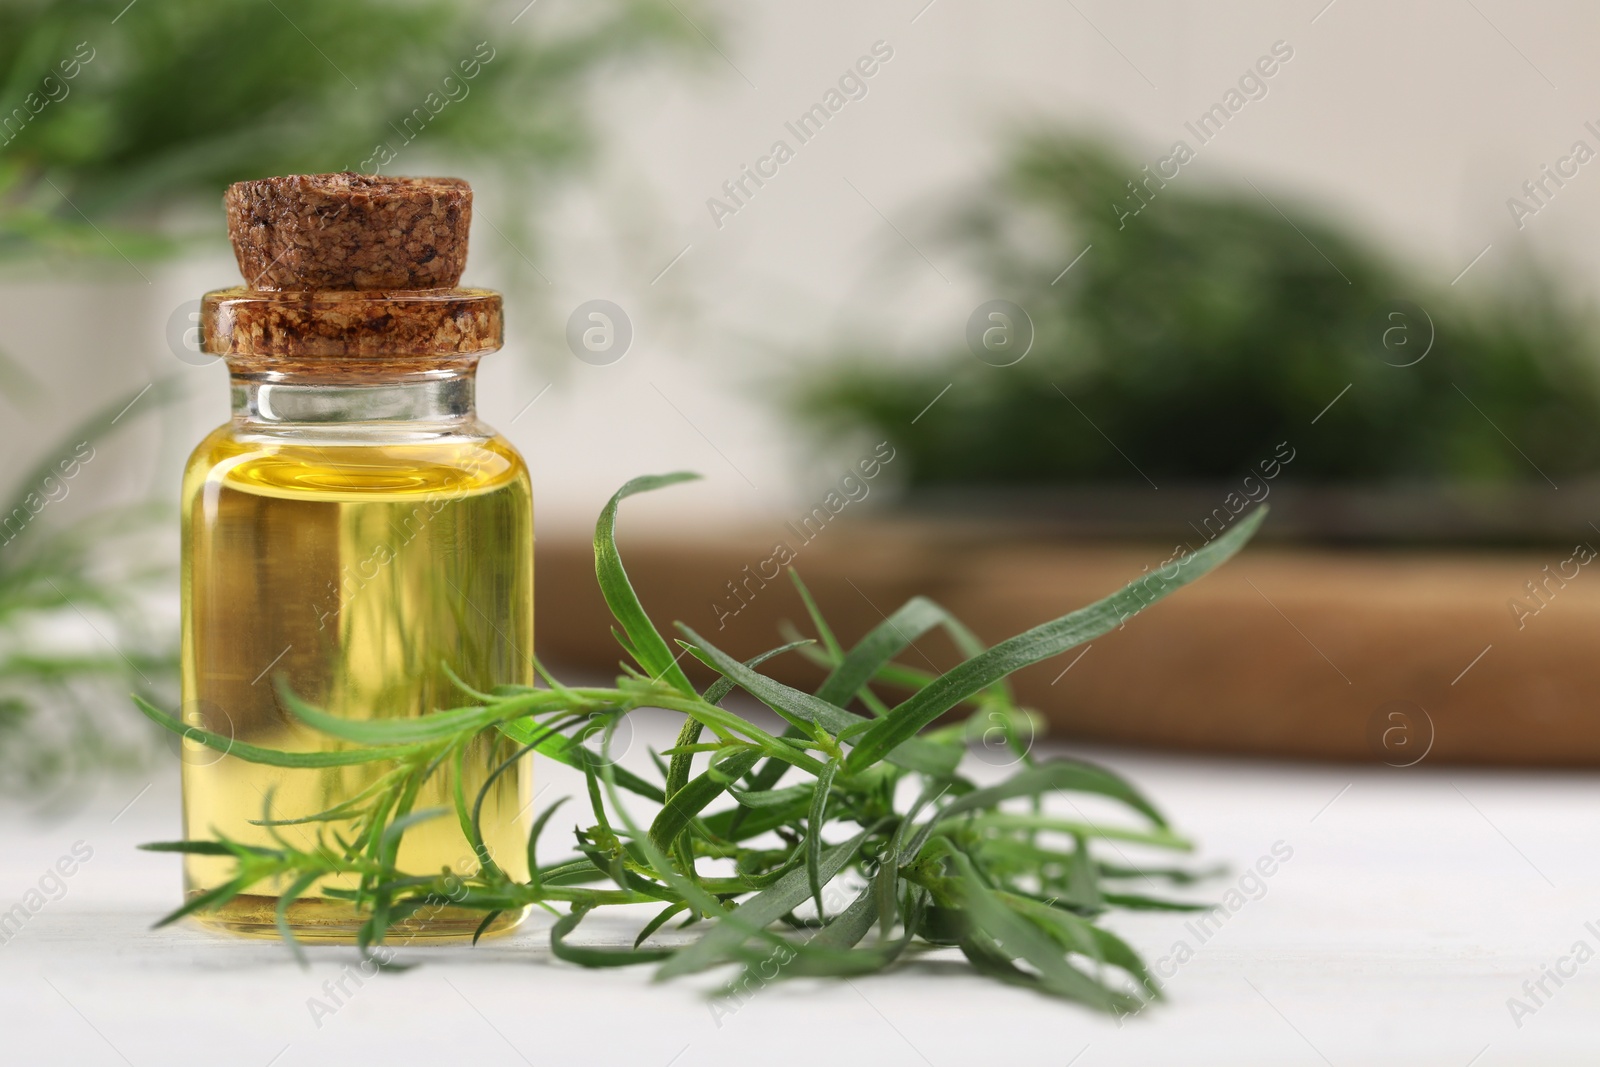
352	535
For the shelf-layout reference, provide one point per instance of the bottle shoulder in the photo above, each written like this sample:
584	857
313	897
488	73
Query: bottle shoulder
398	462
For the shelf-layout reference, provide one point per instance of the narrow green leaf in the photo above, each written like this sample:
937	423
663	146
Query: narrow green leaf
1083	888
773	798
700	791
1140	902
805	959
434	726
483	926
572	753
682	764
885	889
658	921
396	828
271	757
1078	934
1007	820
280	916
814	822
596	957
1042	642
824	631
919	755
1024	940
1055	776
887	640
742	823
533	839
719	689
644	641
215	897
204	848
847	928
758	912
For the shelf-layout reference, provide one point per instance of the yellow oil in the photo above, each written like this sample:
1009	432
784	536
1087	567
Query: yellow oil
351	572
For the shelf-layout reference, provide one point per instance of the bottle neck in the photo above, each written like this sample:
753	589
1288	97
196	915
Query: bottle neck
442	400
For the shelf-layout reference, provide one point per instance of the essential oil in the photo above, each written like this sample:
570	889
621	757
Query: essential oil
353	536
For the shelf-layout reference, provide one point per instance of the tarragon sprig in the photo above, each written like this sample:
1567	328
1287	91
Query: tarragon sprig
833	847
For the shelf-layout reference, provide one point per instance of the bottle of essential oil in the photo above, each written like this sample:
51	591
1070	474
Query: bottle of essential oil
352	532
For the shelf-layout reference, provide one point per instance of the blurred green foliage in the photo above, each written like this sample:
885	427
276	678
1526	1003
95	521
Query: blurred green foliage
1208	327
117	119
75	631
173	99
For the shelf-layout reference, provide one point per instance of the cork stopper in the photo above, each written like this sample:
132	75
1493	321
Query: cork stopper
349	231
352	276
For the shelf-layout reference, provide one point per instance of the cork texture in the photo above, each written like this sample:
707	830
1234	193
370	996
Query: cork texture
290	330
349	231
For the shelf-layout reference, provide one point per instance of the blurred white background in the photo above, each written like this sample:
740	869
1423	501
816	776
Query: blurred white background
1415	121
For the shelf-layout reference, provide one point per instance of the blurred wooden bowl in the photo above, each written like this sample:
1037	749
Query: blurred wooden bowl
1371	655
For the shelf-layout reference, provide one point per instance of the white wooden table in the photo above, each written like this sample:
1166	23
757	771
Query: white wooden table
1415	904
